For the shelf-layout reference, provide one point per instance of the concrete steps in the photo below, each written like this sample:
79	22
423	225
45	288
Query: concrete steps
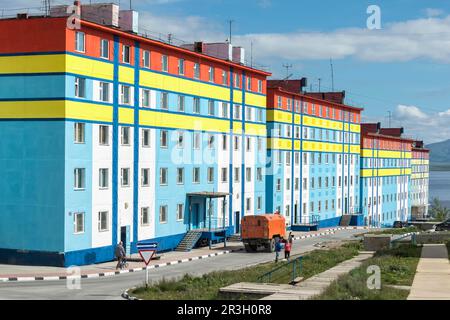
189	240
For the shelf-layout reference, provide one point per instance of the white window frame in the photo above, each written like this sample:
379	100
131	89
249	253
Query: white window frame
77	41
102	52
75	222
79	132
79	177
103	216
103	179
122	177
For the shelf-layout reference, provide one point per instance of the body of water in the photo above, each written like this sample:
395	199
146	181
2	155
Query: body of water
440	186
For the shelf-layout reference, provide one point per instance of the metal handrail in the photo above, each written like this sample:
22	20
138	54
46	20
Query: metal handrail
293	262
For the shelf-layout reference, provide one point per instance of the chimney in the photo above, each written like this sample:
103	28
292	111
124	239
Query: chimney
129	21
239	55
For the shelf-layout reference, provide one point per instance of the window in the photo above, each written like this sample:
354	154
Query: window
80	41
163	139
196	175
224	175
145	177
164	63
237	79
180	140
237	174
145	216
259	115
296	184
103	181
258	203
125	94
248	174
163	214
211	74
126	54
224	110
181	101
145	98
224	77
79	178
236	143
125	177
103	221
125	136
164	101
80	87
211	141
146	59
278	185
211	110
180	175
210	174
224	142
103	135
197	140
249	83
259	142
288	184
237	112
104	91
163	176
78	221
196	71
79	129
181	66
248	204
248	114
260	86
196	105
249	144
180	211
104	49
259	175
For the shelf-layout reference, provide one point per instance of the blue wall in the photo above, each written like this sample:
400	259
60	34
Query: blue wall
31	196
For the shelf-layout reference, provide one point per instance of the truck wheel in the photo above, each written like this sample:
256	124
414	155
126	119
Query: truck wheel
270	245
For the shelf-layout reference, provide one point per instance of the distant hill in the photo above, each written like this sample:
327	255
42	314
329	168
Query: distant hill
439	155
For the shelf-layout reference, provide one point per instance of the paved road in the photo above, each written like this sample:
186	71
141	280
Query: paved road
112	287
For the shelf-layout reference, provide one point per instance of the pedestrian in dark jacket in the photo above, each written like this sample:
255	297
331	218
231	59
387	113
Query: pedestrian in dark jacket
278	247
120	254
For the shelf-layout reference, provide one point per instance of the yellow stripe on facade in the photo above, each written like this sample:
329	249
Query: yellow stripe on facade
385	172
355	149
89	67
237	127
322	123
279	143
314	146
420	162
33	64
170	83
88	111
126	115
279	116
237	96
255	129
126	74
179	121
355	128
32	109
255	100
369	153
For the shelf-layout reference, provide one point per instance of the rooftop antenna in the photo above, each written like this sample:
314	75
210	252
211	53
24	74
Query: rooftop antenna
287	66
389	118
320	79
130	4
251	54
332	75
231	23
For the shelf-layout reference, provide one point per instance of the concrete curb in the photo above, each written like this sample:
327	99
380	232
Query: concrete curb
170	263
126	296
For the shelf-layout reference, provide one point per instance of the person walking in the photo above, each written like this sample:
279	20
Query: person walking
278	247
287	249
120	254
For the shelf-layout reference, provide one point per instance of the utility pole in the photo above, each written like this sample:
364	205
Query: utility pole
251	54
389	118
332	75
287	66
231	23
319	83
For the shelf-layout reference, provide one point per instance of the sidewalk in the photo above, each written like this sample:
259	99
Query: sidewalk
432	279
44	273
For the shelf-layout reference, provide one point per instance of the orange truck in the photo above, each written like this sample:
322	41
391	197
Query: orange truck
262	230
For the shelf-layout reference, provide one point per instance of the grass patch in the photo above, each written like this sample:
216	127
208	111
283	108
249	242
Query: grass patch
398	267
395	230
207	286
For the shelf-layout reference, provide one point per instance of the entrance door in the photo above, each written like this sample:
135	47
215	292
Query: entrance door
237	221
125	238
195	216
295	214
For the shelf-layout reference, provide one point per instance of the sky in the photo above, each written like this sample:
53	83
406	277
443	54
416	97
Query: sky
402	68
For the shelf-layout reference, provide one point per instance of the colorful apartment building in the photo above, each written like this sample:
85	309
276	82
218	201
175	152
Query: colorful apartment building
313	155
385	175
109	136
419	193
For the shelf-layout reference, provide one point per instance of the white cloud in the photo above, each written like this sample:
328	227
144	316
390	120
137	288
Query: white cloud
433	12
430	127
264	3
